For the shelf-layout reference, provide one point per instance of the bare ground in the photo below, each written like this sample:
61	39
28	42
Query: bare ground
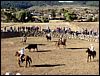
50	60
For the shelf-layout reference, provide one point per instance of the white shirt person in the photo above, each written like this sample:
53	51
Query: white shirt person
91	47
21	53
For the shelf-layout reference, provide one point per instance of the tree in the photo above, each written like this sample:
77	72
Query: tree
53	13
20	15
45	19
69	16
14	17
89	18
9	16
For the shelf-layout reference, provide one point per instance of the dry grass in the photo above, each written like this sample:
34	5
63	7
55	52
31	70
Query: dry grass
52	60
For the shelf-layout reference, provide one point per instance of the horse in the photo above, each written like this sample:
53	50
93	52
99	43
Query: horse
25	58
24	38
90	53
60	42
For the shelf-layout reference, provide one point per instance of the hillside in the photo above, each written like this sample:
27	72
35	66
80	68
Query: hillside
27	4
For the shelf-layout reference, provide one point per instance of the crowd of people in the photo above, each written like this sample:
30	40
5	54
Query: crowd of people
48	30
65	30
82	32
18	29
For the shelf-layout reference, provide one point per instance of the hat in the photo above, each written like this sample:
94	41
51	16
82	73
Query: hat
22	48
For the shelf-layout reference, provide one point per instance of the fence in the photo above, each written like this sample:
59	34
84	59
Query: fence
10	34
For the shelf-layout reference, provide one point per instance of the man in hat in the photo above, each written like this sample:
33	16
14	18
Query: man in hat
21	54
91	47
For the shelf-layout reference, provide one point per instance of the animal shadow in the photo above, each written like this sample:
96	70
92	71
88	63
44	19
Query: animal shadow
95	60
44	51
75	48
54	41
47	65
41	44
37	44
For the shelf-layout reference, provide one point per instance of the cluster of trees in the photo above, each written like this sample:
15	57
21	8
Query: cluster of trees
70	16
20	16
27	4
26	16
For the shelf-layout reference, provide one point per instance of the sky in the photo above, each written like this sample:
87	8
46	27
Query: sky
66	1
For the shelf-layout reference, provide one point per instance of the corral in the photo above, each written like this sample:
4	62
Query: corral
50	60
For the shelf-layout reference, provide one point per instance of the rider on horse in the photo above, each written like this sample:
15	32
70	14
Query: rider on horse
91	52
24	38
48	34
61	41
21	54
61	38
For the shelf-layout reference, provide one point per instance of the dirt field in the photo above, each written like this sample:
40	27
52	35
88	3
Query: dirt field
50	60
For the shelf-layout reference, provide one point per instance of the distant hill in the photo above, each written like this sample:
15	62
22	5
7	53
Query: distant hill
27	4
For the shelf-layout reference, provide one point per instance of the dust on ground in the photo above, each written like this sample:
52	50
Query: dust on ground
50	60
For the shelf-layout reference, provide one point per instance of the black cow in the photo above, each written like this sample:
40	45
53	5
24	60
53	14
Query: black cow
32	46
48	37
